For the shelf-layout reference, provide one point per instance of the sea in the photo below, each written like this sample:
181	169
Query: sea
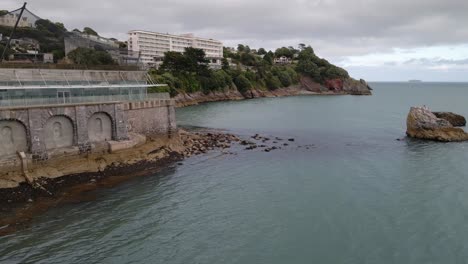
347	186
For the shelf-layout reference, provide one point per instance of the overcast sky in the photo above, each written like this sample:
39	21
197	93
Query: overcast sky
379	40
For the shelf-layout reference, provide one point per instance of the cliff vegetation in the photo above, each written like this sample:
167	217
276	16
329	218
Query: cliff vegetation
246	69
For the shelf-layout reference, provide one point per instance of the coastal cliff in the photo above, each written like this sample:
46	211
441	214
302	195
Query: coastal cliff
306	86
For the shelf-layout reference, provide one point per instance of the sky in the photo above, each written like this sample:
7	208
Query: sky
378	40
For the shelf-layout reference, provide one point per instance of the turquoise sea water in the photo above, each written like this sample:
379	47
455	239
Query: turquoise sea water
356	196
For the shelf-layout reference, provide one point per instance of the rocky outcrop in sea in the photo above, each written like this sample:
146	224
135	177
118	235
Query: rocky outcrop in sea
454	119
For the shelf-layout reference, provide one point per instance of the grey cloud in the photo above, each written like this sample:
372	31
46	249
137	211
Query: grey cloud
436	61
335	28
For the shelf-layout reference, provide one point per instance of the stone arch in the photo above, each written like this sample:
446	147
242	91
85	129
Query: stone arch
58	132
13	137
100	127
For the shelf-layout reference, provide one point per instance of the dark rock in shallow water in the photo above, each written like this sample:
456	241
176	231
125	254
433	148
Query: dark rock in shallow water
454	119
423	124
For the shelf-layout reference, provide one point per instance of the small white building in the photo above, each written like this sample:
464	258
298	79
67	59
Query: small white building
153	45
282	60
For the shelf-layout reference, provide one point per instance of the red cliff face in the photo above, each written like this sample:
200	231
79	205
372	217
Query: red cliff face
334	85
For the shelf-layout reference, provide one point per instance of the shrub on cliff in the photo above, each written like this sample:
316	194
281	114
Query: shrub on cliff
160	89
272	82
308	68
317	68
248	59
284	78
334	72
293	75
90	31
227	78
284	52
166	78
243	84
87	56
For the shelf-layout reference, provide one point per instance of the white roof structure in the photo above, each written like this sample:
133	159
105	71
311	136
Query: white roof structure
73	79
28	18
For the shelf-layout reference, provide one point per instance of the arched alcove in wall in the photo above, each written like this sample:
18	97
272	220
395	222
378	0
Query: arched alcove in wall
58	132
99	127
13	137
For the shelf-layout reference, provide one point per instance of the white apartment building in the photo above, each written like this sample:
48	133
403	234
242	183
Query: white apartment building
153	45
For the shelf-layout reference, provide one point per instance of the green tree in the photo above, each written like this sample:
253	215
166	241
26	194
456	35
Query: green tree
174	62
334	72
90	31
227	52
87	56
269	58
272	82
284	78
240	48
225	64
247	59
293	74
3	12
261	51
195	61
61	26
243	84
284	52
8	52
58	54
47	26
307	67
191	61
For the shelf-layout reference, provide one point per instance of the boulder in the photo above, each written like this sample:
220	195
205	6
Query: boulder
422	123
356	87
454	119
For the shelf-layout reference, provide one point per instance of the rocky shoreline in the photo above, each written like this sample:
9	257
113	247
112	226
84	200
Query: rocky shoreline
305	87
55	175
19	204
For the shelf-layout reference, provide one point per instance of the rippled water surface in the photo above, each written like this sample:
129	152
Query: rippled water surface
356	196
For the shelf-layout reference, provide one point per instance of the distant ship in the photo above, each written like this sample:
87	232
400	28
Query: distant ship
414	81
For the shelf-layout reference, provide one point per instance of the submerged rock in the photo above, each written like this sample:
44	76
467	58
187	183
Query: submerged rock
422	123
454	119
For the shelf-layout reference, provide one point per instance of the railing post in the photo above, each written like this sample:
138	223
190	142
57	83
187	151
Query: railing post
65	77
40	73
17	78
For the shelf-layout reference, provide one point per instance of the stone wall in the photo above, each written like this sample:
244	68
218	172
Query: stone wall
37	130
151	117
76	128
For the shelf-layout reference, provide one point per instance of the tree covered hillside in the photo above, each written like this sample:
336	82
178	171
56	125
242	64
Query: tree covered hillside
49	35
243	69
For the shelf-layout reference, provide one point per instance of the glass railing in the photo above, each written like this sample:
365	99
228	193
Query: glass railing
39	101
